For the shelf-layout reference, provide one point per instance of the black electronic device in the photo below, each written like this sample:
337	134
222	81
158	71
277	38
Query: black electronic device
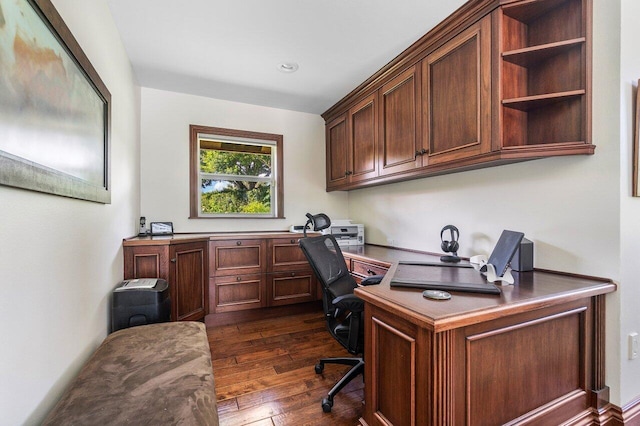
441	285
143	227
451	245
161	228
523	259
436	295
139	302
504	250
436	264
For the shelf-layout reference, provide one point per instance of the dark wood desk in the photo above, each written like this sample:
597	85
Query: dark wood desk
533	355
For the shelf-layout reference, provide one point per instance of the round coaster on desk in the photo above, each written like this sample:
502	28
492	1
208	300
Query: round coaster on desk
436	294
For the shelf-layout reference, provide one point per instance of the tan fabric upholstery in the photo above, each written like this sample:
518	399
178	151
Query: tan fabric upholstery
156	374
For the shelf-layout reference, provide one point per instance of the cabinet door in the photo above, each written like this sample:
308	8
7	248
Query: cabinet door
363	137
337	152
146	262
291	278
188	281
237	257
237	292
395	390
361	270
399	123
456	81
285	254
286	288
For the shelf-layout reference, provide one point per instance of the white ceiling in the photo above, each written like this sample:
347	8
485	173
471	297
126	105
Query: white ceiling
230	49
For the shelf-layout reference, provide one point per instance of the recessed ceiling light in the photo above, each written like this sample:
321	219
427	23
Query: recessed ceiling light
288	67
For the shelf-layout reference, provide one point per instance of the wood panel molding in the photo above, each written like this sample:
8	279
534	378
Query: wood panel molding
443	385
613	415
385	338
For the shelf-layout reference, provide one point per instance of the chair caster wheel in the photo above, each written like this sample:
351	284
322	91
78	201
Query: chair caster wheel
319	370
326	405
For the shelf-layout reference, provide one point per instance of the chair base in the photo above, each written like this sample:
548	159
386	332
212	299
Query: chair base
357	368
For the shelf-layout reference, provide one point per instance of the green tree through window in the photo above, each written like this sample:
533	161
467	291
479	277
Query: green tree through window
236	175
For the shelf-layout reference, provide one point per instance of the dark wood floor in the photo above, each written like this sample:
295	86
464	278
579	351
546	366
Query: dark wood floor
264	373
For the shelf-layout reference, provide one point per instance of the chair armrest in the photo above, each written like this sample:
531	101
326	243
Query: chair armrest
350	302
372	280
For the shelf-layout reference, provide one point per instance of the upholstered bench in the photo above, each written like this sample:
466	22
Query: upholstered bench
154	374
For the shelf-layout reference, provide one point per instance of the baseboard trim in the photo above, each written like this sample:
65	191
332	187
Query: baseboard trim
628	415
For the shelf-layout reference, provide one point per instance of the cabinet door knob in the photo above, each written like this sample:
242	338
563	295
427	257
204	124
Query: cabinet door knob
173	260
418	153
424	151
370	272
238	243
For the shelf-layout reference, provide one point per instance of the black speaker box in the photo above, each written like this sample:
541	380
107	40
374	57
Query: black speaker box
522	261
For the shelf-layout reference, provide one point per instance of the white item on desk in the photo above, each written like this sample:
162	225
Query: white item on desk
480	261
346	233
138	283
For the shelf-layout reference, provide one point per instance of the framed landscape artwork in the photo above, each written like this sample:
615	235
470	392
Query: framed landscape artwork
54	108
636	142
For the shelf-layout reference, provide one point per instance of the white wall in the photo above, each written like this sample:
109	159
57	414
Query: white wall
570	207
60	258
166	117
629	292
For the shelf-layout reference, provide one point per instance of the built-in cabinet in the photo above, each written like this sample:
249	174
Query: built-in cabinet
496	82
257	273
533	355
224	273
182	264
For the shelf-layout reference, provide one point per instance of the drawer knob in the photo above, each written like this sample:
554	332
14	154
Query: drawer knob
293	274
370	272
238	278
293	241
238	243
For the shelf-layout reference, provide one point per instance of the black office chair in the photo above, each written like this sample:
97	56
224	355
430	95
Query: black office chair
342	309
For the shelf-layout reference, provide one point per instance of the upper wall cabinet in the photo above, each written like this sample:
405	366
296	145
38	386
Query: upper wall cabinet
351	141
545	76
457	96
400	144
498	81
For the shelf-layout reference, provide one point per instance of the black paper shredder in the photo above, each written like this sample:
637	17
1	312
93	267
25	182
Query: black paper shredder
140	301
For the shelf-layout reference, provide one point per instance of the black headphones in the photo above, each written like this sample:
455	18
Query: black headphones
450	246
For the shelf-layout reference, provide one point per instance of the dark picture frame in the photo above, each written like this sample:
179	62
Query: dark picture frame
55	112
636	142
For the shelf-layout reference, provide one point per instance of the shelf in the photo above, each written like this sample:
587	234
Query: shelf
532	102
528	11
536	54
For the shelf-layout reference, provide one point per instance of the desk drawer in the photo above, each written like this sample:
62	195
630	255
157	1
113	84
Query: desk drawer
365	269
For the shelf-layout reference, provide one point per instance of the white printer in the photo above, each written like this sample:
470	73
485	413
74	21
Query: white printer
346	233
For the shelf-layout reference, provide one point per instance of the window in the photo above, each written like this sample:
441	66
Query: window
235	173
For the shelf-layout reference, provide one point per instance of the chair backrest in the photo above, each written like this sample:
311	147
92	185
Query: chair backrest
325	257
